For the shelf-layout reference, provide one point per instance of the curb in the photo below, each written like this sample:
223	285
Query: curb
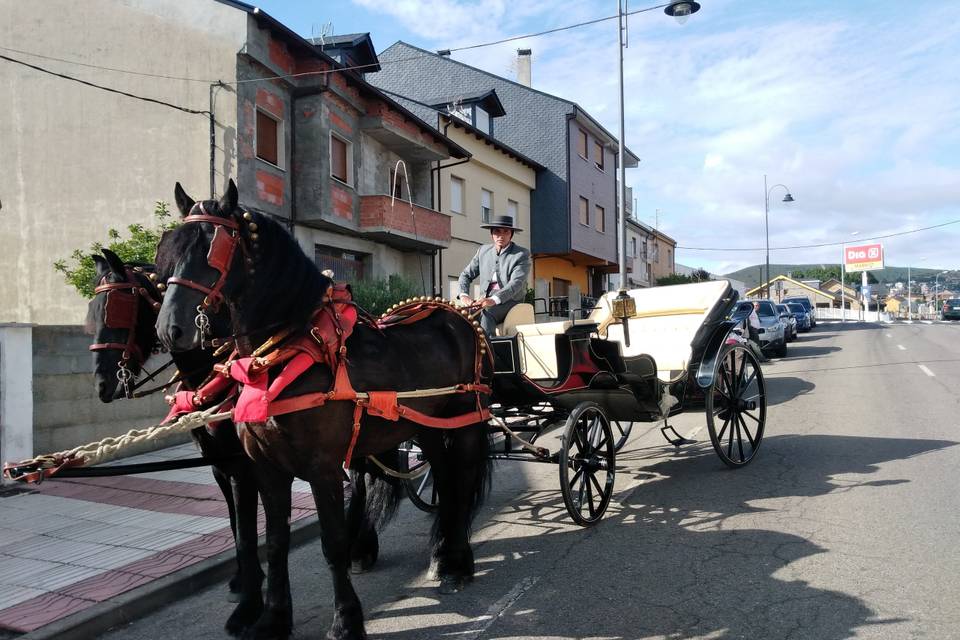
128	607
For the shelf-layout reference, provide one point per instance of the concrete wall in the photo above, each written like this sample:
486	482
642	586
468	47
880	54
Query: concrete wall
599	188
496	171
66	410
77	160
16	391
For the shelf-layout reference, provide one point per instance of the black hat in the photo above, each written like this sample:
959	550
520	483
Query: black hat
500	222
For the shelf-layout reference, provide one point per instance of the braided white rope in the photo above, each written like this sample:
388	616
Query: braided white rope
132	442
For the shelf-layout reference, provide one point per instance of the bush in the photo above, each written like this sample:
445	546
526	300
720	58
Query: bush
675	278
376	296
141	246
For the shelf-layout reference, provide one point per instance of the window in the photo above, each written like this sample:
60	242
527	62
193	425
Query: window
268	134
560	288
481	120
582	143
598	155
584	212
341	159
633	247
486	205
346	266
456	194
513	211
601	222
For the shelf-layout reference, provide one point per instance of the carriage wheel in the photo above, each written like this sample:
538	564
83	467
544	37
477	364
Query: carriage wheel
420	490
736	406
587	464
621	431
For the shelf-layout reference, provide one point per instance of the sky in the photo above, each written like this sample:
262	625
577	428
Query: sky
854	106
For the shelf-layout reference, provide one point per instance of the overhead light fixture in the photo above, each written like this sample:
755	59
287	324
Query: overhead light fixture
681	9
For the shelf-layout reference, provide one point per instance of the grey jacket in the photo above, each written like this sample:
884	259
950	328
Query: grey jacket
512	268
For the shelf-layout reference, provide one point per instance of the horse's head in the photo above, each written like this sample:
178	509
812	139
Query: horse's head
203	264
121	317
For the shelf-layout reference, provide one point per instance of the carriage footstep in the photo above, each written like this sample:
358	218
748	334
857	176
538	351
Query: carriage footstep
673	437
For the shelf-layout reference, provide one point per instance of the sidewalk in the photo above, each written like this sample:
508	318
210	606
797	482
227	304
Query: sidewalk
67	546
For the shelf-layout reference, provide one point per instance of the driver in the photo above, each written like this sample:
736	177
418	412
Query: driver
503	268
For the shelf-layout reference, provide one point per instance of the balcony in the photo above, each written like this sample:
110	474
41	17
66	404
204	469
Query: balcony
401	135
425	230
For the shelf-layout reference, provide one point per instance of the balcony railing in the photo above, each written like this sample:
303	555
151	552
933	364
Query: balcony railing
390	221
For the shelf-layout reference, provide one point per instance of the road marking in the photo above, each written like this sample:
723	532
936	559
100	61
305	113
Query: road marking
927	321
927	371
901	347
889	335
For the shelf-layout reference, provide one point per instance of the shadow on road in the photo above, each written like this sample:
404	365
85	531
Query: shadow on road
783	388
802	351
669	560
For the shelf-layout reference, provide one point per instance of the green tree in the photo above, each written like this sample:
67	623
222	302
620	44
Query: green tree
377	295
79	271
675	278
700	275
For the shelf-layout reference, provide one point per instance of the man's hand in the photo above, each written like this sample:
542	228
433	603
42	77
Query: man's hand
465	299
487	302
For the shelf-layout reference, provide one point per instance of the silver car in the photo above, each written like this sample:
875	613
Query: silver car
772	329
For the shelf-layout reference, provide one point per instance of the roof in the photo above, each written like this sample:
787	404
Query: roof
496	144
765	285
359	44
298	41
578	109
488	99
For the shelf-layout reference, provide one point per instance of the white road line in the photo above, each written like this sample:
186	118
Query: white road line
927	321
889	335
901	347
927	371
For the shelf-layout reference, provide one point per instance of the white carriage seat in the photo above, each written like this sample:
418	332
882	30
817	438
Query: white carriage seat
520	314
538	351
667	320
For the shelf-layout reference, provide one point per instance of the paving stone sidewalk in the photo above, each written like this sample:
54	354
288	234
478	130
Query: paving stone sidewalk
68	545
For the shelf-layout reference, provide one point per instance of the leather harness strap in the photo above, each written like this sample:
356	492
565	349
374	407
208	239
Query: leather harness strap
226	239
121	310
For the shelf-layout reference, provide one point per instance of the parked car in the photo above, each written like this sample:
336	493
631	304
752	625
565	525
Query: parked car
805	301
801	315
790	322
772	328
951	309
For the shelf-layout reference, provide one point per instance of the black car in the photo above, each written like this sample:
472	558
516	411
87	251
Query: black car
951	309
805	302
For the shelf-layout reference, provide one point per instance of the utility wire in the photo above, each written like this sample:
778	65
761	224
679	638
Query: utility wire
103	88
824	244
341	68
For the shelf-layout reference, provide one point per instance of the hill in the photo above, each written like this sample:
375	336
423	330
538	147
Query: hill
752	275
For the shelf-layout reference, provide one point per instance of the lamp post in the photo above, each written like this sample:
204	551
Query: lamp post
624	306
910	293
936	298
766	222
843	276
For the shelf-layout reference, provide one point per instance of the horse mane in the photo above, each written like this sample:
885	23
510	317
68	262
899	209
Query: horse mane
286	287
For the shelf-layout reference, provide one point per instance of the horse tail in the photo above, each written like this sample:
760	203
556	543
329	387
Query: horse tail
384	492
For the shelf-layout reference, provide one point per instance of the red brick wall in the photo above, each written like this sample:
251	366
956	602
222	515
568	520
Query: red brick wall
271	103
342	199
375	211
280	56
270	188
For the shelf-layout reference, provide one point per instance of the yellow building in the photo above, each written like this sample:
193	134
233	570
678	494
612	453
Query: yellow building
497	180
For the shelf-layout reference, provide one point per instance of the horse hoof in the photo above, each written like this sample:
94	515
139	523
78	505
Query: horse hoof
452	584
242	619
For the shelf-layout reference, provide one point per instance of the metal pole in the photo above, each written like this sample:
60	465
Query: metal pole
909	297
766	226
622	191
843	276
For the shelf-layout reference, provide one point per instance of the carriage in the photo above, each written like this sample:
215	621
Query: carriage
594	380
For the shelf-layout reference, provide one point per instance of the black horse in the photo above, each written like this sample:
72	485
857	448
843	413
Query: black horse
122	317
270	284
125	308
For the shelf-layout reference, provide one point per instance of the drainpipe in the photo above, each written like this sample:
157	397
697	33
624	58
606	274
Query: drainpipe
213	142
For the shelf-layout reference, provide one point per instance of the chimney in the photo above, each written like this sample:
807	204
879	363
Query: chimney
523	66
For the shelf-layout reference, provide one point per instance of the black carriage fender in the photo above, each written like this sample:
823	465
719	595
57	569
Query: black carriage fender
711	352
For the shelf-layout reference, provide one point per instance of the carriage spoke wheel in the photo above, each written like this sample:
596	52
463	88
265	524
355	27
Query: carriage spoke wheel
587	464
621	431
421	490
737	406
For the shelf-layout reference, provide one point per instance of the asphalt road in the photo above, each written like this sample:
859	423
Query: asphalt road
845	525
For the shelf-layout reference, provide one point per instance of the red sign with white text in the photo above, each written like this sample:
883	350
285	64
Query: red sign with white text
865	257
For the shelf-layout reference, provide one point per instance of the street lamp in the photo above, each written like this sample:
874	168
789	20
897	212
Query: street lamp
624	306
843	276
766	221
936	299
910	293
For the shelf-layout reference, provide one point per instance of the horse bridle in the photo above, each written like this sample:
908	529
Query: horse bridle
226	239
120	312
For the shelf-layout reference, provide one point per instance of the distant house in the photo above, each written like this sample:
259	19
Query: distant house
849	295
782	287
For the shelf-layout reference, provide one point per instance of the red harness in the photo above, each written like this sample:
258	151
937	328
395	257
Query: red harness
325	343
121	310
